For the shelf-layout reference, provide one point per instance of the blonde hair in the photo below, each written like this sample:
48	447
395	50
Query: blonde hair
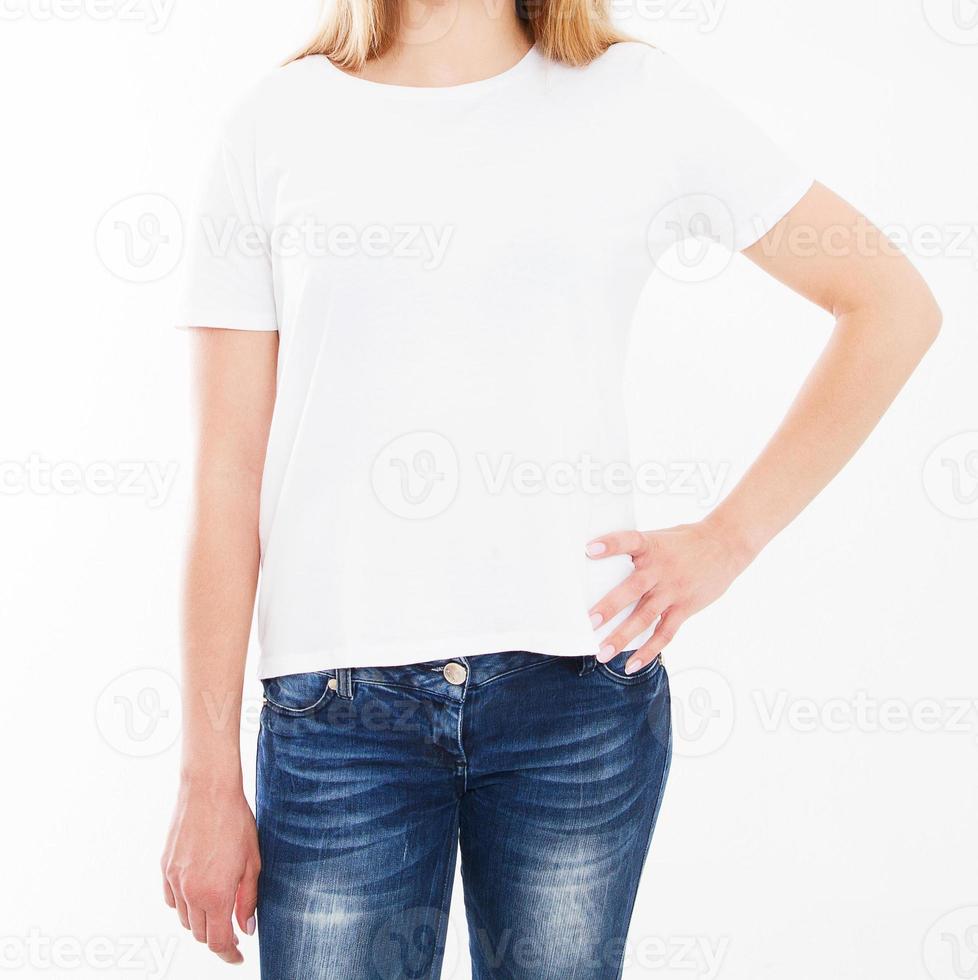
573	32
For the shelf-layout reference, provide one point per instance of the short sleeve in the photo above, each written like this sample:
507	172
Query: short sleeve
727	174
228	276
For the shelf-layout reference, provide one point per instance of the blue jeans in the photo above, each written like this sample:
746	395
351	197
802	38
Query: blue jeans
546	772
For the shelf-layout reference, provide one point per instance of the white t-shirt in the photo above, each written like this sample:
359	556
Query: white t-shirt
453	274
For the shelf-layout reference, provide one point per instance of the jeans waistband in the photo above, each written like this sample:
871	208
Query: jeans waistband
452	677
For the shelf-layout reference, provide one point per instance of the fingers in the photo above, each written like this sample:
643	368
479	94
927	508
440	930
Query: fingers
173	897
618	543
198	922
168	894
643	616
619	598
669	624
208	917
247	901
220	937
183	913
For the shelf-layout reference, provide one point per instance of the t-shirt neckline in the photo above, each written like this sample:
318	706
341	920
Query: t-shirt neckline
438	91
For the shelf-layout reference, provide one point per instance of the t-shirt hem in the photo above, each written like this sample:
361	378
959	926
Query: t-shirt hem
226	320
761	224
558	644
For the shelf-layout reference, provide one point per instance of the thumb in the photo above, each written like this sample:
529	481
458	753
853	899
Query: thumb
246	901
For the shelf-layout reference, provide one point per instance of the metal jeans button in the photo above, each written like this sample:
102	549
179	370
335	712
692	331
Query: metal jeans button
455	673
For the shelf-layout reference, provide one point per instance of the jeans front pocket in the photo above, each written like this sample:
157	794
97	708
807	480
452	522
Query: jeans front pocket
297	694
615	669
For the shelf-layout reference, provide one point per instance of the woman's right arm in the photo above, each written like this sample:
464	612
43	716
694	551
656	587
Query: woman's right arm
211	864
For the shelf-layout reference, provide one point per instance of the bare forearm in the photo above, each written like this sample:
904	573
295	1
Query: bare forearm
870	356
222	573
235	389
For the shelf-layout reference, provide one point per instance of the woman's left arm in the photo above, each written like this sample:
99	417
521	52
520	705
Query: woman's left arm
886	319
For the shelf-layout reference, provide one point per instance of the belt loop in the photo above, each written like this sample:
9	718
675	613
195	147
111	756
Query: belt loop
344	683
588	663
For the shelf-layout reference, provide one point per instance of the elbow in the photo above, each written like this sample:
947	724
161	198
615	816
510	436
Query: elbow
923	306
933	319
927	317
905	317
916	309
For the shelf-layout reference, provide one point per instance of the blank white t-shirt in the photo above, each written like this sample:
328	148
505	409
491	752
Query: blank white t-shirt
453	273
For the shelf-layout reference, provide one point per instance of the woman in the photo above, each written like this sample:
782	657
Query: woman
424	245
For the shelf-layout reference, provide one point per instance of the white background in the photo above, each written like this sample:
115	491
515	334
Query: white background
802	836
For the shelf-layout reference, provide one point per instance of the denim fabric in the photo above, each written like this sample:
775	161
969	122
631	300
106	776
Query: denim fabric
546	773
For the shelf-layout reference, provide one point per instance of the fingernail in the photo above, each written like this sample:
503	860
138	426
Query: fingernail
596	619
596	548
251	925
632	666
606	653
